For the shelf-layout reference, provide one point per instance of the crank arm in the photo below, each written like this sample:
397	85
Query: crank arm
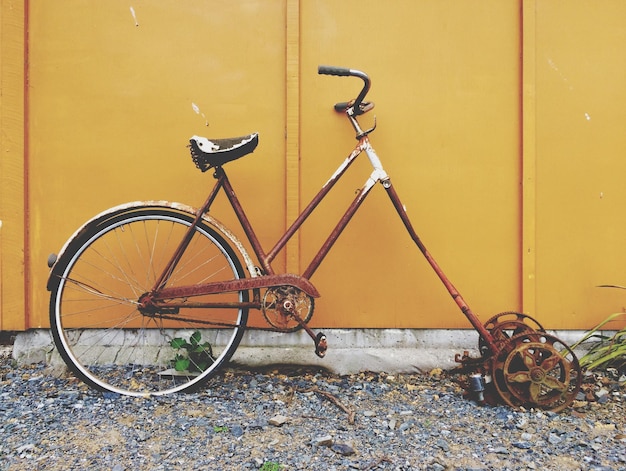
321	343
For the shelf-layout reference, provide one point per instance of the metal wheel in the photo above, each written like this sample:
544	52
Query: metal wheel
276	313
537	370
508	324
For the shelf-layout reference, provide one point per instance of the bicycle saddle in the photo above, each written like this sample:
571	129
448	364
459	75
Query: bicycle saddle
208	153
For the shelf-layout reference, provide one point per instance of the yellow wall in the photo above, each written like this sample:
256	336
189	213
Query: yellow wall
510	169
580	159
447	97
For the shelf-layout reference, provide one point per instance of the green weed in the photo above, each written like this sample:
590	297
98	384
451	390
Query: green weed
192	356
605	351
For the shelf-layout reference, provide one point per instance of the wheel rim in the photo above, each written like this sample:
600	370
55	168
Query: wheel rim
505	325
101	333
537	370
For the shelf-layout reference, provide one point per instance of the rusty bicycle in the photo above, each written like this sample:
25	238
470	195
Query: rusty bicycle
152	298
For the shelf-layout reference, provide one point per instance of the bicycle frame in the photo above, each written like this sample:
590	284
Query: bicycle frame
103	267
161	293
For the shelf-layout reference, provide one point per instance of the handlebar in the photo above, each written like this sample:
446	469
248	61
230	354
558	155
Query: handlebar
345	72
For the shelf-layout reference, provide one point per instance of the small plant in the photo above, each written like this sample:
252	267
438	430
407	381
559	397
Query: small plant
193	356
606	351
270	466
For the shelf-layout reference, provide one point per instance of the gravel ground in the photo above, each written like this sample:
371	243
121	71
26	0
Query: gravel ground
304	419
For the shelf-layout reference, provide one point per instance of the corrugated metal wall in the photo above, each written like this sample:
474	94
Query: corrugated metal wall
500	122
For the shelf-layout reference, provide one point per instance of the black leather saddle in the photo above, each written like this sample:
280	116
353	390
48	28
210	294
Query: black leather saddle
207	153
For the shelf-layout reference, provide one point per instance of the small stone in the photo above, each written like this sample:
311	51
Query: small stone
435	372
554	439
600	428
324	440
443	445
343	449
521	423
369	413
236	430
28	447
522	445
278	420
405	426
602	392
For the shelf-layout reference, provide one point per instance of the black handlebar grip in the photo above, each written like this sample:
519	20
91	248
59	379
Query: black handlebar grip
329	70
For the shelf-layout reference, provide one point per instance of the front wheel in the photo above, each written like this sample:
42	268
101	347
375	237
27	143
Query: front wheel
95	317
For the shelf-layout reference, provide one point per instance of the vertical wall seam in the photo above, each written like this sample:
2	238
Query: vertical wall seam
292	131
26	157
529	157
13	315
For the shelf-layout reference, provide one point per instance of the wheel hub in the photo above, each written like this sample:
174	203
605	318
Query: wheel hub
537	375
147	307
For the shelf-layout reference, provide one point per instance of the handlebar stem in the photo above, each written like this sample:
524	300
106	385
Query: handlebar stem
355	125
360	133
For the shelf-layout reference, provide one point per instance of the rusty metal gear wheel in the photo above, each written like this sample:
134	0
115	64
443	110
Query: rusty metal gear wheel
275	312
537	370
508	324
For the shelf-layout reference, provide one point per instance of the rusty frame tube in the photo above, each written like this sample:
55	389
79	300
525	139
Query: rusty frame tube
280	244
456	296
242	284
171	265
336	232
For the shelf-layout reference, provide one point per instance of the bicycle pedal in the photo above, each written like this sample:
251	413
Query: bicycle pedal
321	345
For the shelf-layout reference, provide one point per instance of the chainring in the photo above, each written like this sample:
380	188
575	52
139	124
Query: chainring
276	313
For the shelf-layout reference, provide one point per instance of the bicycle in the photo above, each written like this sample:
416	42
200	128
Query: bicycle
152	298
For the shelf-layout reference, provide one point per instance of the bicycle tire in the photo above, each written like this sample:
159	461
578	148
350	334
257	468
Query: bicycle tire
95	319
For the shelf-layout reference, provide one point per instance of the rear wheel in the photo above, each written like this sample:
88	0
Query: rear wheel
95	317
